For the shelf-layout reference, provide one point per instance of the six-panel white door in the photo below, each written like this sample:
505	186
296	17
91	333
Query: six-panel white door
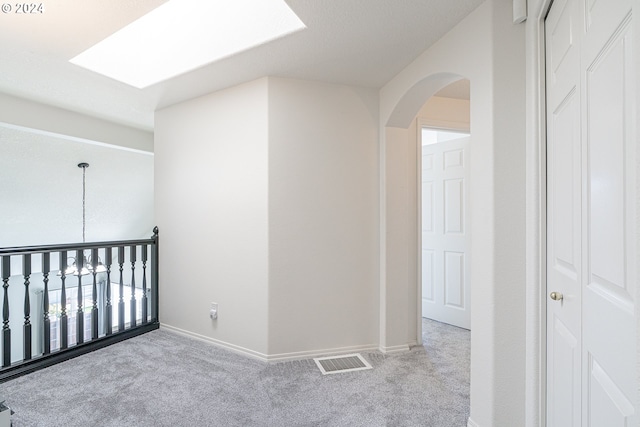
446	295
591	234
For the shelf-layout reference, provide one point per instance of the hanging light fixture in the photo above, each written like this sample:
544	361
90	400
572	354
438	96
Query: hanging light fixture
87	262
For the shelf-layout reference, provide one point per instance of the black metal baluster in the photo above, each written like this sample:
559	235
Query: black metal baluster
26	272
132	258
94	308
46	323
6	331
121	290
154	276
64	330
80	313
108	313
144	284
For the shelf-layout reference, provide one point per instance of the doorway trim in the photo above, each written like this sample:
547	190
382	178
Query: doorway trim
535	307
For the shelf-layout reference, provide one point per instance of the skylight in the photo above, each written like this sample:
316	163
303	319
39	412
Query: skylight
182	35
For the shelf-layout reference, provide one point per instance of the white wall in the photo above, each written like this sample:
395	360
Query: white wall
41	185
211	208
636	53
487	49
266	200
398	231
447	113
54	121
506	305
323	220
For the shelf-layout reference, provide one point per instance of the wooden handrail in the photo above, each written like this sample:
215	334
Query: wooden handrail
22	250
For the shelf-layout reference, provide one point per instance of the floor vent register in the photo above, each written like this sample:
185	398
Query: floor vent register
341	364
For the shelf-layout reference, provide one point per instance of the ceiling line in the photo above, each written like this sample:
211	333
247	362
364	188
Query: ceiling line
73	138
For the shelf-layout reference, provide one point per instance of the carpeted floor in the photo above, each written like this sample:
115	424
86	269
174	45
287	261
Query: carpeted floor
163	379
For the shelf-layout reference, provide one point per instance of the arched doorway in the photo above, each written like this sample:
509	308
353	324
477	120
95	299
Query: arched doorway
401	183
487	49
401	176
443	138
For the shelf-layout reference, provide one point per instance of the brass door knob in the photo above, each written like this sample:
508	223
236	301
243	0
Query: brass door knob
556	296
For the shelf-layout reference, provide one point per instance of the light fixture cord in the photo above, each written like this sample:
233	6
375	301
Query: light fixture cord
84	171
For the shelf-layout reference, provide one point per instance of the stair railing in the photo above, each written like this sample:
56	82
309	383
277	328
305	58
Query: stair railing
61	301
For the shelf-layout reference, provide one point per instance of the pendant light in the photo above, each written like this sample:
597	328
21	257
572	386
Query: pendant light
87	264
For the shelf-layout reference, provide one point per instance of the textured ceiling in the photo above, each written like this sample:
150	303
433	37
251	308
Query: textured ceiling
356	42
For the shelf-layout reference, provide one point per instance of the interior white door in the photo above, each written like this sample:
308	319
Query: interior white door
591	235
446	288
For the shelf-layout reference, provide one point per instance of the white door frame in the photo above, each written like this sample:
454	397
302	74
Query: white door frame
432	124
536	230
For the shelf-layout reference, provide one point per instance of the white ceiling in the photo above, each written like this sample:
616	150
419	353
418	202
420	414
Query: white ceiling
355	42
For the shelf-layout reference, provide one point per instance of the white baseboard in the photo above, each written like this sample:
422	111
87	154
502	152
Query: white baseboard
471	423
232	347
319	353
394	349
271	357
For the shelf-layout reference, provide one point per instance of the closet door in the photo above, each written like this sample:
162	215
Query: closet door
610	236
564	206
591	234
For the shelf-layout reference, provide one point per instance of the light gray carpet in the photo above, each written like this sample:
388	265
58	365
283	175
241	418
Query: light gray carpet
163	379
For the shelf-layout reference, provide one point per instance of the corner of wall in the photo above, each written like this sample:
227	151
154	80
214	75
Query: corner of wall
218	141
322	216
509	187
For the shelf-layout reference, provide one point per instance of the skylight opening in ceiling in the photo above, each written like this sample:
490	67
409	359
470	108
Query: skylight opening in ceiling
182	35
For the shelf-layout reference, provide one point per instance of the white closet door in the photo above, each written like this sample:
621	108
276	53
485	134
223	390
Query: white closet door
564	206
591	190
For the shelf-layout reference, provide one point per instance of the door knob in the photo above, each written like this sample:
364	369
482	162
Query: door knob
556	296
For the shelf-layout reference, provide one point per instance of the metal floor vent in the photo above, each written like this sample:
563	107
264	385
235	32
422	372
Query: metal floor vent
339	364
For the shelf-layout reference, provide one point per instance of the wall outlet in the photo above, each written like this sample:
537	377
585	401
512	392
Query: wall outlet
213	312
